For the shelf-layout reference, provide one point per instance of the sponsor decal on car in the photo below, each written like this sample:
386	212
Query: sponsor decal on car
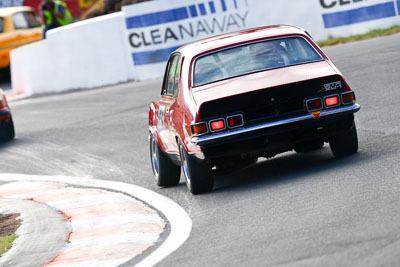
161	114
316	114
333	86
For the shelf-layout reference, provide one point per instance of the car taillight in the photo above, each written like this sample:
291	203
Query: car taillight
314	104
348	98
3	101
217	125
235	121
199	128
331	101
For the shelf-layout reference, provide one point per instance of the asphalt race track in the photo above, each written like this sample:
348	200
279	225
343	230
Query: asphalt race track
296	209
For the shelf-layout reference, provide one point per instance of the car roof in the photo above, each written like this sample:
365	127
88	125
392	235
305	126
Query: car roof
6	11
204	45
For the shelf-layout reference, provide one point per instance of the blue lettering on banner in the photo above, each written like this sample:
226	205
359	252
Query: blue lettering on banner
173	15
223	5
212	6
157	18
202	9
193	11
150	57
363	14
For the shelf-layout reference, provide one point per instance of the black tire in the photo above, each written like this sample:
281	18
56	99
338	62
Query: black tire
198	177
165	171
7	132
345	144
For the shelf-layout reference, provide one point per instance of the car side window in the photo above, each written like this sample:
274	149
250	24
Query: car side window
1	24
177	77
20	21
170	81
33	19
165	80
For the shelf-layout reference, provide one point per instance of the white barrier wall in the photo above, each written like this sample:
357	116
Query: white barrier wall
156	28
82	55
135	43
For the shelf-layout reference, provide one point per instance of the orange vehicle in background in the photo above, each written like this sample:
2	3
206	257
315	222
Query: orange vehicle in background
18	26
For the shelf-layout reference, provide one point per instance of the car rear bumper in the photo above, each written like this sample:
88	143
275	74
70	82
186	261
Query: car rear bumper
4	112
228	136
5	115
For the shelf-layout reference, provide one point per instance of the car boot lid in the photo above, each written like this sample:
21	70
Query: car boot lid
261	80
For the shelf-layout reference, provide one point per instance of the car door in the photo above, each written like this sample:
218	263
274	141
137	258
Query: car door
165	104
174	119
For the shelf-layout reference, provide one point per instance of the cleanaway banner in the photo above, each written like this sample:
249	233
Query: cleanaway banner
154	29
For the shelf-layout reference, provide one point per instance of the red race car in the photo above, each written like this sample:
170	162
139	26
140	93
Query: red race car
230	99
6	123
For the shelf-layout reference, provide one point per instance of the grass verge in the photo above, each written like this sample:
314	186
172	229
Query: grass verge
5	242
368	35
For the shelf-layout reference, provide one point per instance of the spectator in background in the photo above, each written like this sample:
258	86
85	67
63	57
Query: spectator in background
55	13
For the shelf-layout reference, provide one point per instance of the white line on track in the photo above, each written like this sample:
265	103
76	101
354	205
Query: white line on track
181	224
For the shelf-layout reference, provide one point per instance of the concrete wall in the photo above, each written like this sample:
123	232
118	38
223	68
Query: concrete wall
82	55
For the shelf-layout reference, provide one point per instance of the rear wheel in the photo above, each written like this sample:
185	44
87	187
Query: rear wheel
198	176
7	131
345	144
165	171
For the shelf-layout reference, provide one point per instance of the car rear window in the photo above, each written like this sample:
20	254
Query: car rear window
253	57
1	24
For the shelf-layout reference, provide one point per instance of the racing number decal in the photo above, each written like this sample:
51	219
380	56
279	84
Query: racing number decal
161	115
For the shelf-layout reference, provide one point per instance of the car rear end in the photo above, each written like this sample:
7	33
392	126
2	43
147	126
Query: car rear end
276	119
260	114
6	122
